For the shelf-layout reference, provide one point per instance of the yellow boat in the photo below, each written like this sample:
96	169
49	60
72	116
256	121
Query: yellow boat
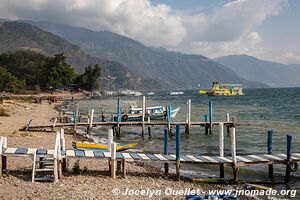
99	146
219	89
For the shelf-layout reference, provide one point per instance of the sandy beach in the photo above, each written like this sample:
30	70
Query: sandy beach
95	183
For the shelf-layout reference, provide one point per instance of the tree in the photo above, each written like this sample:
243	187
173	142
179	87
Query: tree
89	80
9	82
59	72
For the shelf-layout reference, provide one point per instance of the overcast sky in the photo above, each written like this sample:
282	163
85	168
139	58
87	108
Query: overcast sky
268	29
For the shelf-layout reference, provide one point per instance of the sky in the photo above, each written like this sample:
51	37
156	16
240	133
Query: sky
267	29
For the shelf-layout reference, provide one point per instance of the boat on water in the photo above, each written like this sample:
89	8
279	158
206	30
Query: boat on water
176	93
103	146
219	89
150	93
153	113
130	93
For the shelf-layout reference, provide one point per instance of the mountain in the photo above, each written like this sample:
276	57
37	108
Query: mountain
173	68
270	73
18	35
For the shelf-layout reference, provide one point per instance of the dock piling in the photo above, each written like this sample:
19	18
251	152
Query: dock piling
143	116
91	121
221	147
288	158
169	110
233	154
166	150
269	146
178	152
188	116
119	117
113	160
206	126
228	120
210	111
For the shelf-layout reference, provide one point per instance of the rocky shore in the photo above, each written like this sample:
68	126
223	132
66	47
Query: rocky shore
94	182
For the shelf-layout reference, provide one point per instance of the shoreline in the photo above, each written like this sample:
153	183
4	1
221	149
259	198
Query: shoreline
94	182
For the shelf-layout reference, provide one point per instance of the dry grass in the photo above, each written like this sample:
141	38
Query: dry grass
3	112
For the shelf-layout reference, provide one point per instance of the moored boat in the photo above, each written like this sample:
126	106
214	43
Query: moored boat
219	89
153	113
176	93
103	146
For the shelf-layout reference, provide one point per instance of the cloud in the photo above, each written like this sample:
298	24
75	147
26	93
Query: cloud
228	27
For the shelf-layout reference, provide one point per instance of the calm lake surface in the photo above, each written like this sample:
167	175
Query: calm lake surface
263	109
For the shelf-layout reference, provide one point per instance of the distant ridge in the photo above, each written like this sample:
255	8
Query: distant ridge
270	73
172	68
18	35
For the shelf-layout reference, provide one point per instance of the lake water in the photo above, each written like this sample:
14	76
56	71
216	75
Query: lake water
263	109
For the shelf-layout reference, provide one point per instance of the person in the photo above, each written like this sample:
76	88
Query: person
1	100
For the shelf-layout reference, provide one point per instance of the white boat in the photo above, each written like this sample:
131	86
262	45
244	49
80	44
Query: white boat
154	113
176	93
130	92
150	93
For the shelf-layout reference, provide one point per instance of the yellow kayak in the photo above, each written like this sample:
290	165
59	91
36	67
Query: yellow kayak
90	145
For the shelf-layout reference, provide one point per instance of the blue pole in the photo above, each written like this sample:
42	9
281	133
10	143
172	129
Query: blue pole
210	111
270	135
206	118
169	108
166	142
166	150
177	152
289	147
288	158
75	119
119	112
112	117
271	169
177	142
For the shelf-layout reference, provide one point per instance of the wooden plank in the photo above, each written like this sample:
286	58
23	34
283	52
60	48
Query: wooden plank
79	153
194	158
135	156
143	156
98	154
10	150
119	155
174	156
21	151
70	153
284	156
41	152
240	158
89	153
258	158
160	157
50	152
127	156
272	157
31	151
227	160
185	158
152	157
107	154
210	159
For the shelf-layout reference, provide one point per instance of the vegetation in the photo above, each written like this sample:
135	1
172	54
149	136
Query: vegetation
32	71
3	112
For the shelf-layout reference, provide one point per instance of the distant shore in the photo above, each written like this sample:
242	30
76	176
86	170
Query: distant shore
94	183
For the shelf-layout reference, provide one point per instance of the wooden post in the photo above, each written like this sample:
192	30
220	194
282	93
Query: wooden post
119	116
56	158
91	121
28	125
123	168
233	154
177	152
113	160
206	126
63	148
169	110
210	111
221	147
75	120
110	139
143	115
149	132
166	151
269	146
288	158
188	116
228	120
1	155
54	123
